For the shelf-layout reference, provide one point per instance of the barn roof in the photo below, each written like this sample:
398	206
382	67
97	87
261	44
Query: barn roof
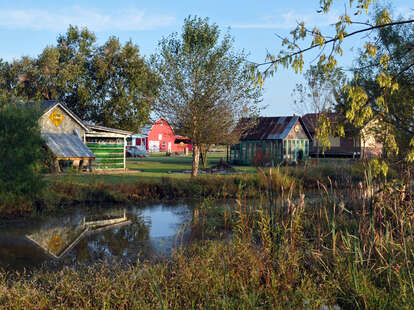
147	129
272	128
47	105
67	146
311	121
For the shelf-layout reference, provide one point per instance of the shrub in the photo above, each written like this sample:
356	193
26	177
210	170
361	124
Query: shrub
21	152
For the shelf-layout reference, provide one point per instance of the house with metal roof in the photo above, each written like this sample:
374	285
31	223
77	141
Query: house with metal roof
71	139
360	143
272	140
64	134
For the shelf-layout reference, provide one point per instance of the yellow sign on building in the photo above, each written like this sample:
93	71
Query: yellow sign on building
56	117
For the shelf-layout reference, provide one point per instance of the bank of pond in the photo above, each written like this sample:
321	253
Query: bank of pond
61	192
348	247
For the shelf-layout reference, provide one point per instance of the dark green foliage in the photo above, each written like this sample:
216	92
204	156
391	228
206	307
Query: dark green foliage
110	84
22	152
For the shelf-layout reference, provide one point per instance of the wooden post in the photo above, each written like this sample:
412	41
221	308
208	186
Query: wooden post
227	153
124	153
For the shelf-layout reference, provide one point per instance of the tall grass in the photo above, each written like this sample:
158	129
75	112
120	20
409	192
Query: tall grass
342	248
67	192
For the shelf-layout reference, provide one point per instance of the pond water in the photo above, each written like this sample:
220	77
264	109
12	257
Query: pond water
88	235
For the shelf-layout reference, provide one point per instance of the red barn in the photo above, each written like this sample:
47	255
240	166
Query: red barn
161	138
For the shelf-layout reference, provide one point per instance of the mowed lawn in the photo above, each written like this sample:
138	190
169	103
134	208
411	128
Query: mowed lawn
154	167
158	165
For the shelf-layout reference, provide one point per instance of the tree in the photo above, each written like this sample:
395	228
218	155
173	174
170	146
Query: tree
124	85
206	87
111	85
359	103
319	95
396	112
21	155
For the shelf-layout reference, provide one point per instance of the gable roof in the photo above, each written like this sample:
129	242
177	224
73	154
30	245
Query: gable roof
273	128
46	106
147	129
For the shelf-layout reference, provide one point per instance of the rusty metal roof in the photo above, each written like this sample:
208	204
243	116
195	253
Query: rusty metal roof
65	145
272	128
311	121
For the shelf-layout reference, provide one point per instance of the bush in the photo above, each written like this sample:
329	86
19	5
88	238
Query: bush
22	152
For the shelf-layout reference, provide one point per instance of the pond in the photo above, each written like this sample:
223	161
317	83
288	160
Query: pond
87	235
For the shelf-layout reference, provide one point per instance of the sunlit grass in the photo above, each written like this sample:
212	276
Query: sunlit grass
343	249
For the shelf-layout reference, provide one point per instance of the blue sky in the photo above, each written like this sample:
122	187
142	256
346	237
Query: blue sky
26	27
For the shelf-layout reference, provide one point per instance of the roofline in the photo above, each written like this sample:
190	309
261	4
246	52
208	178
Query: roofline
168	124
74	116
109	129
285	133
305	128
163	119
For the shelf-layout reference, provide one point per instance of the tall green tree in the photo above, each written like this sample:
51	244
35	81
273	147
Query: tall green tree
111	85
21	154
206	87
75	87
124	85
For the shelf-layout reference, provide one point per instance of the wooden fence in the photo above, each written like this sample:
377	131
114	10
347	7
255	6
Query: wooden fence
108	156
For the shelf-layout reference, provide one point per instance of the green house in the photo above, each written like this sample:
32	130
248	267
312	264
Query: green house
272	140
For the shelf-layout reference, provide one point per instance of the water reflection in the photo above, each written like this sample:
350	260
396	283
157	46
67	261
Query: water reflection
58	241
115	235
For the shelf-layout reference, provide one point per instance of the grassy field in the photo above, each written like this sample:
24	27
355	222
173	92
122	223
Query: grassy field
154	167
159	165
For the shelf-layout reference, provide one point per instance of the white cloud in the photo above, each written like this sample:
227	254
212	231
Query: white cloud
35	19
290	19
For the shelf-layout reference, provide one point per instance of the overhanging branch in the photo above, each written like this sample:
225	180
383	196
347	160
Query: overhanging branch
334	40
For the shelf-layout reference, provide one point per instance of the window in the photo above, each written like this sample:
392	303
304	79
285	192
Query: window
163	144
160	136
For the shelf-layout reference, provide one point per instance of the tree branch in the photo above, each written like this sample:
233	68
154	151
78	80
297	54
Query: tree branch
334	40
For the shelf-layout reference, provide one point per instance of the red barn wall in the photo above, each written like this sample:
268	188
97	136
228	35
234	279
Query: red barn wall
161	136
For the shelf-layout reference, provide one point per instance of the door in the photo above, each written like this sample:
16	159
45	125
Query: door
154	146
169	147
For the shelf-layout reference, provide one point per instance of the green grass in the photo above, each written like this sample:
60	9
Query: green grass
159	163
158	166
287	254
152	168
